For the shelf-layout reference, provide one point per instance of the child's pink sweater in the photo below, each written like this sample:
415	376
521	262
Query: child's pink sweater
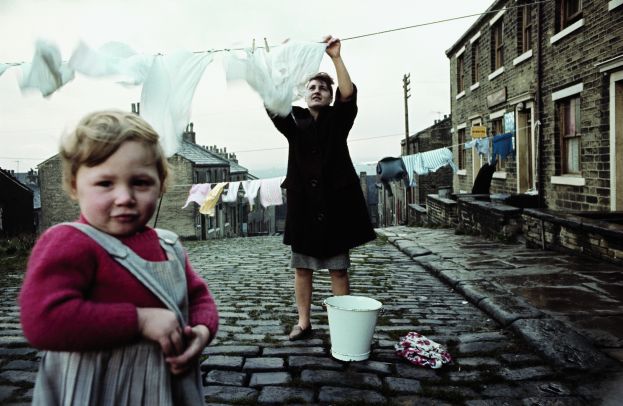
76	297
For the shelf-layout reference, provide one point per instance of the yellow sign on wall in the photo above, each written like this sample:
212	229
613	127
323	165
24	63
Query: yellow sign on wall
479	131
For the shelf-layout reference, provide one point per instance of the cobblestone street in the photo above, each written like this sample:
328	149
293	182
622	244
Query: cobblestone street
251	361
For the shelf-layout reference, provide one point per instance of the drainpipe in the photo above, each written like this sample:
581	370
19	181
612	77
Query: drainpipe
539	108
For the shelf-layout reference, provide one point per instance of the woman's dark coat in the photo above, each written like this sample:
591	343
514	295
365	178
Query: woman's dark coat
326	211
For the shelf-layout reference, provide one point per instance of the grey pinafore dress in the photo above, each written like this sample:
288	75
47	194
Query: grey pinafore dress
135	374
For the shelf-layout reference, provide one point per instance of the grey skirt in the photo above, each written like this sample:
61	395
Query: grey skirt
334	263
132	375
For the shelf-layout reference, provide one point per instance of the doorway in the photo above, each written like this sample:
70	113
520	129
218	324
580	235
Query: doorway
526	162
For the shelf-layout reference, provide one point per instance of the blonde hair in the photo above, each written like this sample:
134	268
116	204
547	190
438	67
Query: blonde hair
99	135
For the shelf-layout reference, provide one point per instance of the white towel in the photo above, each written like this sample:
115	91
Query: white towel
198	193
47	72
270	192
251	188
168	92
410	162
278	76
232	193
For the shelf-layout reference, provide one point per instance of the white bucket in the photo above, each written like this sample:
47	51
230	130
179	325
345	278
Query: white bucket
352	320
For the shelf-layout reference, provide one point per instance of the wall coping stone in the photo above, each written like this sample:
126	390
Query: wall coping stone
574	221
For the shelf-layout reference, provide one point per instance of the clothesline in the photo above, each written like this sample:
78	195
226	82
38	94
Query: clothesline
434	22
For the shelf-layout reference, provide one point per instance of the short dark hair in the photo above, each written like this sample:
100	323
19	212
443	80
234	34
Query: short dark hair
325	78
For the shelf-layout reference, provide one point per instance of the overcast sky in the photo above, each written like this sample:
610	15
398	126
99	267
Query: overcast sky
225	115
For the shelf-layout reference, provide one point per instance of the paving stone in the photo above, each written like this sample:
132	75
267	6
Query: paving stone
17	352
294	351
495	402
417	372
229	394
303	361
515	359
566	401
270	378
280	395
484	336
481	347
330	395
263	364
222	361
477	362
371	366
344	378
244	350
403	385
525	373
231	378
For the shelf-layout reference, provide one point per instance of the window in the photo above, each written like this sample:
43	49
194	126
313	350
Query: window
462	154
497	46
569	120
525	27
569	11
460	74
497	128
476	62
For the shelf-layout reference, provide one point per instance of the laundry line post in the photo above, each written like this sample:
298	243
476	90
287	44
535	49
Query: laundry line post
406	81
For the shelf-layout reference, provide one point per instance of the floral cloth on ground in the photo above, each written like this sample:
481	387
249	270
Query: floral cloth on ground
422	351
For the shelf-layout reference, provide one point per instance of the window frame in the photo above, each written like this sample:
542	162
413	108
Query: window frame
569	129
460	73
565	19
525	24
462	138
476	62
497	45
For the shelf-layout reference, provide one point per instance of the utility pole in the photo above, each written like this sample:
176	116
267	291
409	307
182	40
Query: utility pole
406	81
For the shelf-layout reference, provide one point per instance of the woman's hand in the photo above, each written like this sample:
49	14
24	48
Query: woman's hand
161	326
333	46
196	337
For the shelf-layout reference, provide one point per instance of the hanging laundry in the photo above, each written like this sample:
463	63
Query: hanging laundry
232	193
3	68
422	351
481	145
270	191
503	145
251	187
410	162
207	207
112	58
431	161
278	76
47	72
197	194
390	169
167	94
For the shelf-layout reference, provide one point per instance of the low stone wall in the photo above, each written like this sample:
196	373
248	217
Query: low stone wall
441	211
488	219
572	233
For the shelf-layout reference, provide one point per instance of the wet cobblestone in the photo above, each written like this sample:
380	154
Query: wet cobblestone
252	362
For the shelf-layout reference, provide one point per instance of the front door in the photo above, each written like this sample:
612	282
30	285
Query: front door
526	162
616	141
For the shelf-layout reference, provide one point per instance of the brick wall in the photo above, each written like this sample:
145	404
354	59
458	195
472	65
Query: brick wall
171	216
570	233
489	219
441	211
56	206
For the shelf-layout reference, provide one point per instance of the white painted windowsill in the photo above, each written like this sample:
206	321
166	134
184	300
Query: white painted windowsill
523	57
474	86
497	73
568	180
458	96
558	36
499	175
614	4
462	172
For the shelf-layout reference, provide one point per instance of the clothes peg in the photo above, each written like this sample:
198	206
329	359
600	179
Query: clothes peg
266	45
253	46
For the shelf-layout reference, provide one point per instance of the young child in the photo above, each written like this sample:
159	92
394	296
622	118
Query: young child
115	303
